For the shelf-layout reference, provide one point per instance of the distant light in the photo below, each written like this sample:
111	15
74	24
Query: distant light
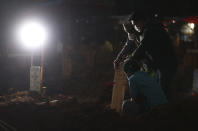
188	28
156	15
32	34
191	25
173	21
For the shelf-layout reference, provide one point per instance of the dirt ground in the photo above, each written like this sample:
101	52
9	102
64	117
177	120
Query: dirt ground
25	111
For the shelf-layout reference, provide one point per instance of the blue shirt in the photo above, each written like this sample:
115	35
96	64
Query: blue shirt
143	83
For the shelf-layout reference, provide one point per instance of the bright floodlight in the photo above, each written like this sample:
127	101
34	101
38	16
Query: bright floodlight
191	25
32	34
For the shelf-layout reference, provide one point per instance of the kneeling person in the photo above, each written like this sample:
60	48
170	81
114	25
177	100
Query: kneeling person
144	90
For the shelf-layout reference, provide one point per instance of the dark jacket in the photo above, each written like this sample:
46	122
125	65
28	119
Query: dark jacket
158	44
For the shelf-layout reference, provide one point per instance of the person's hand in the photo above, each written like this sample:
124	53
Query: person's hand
116	63
127	59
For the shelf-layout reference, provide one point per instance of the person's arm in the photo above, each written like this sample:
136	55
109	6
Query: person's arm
139	52
131	43
129	47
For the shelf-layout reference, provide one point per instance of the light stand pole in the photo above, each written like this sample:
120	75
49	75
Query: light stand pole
42	66
32	58
33	35
42	87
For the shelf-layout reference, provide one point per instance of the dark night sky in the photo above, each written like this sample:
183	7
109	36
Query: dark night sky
104	7
58	10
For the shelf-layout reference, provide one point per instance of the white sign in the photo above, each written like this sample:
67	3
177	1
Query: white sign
35	78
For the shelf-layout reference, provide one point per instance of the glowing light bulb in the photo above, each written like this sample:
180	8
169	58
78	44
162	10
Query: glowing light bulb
32	34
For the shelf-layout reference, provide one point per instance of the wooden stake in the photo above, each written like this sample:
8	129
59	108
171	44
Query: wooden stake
120	84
